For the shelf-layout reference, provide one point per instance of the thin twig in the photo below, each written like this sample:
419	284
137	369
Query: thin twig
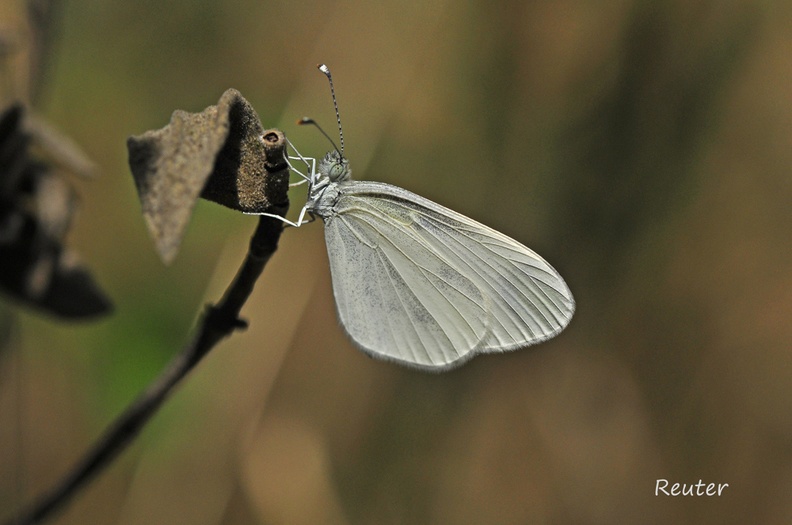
217	322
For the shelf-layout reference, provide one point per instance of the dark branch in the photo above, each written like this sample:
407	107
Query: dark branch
217	322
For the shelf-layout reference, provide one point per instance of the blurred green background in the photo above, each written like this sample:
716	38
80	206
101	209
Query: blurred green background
642	147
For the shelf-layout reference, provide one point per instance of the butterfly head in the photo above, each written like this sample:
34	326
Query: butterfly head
335	167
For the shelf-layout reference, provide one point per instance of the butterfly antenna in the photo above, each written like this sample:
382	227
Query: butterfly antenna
305	120
326	70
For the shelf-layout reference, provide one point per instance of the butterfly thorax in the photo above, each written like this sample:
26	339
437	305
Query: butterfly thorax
323	193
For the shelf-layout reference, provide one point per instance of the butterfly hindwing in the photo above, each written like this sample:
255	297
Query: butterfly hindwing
421	284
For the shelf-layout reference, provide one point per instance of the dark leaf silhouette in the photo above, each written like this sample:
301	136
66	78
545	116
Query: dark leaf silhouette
36	208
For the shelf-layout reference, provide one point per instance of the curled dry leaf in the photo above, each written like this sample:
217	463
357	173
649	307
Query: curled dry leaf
217	154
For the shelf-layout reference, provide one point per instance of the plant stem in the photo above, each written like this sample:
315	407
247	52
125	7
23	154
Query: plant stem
217	322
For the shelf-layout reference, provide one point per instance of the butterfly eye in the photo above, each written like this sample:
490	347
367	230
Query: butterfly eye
338	171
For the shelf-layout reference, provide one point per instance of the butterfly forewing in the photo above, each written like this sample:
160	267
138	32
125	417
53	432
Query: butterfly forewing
421	284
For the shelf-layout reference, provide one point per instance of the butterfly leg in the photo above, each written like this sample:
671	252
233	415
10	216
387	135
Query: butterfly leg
309	162
300	219
304	178
299	222
284	220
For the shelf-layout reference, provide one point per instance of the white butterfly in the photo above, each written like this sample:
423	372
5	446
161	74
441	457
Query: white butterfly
422	285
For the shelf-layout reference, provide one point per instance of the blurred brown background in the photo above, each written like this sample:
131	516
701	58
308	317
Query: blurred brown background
643	148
